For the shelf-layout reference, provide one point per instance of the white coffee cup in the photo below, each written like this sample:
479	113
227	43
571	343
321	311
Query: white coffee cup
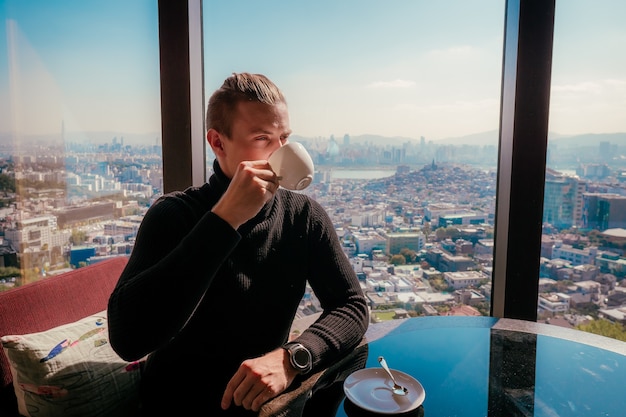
293	166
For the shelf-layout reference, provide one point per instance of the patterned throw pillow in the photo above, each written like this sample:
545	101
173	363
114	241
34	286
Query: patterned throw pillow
71	370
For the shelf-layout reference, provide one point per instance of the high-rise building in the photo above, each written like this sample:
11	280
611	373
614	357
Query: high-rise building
563	200
604	211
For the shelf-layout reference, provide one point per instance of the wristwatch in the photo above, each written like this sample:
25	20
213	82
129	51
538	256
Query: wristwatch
299	357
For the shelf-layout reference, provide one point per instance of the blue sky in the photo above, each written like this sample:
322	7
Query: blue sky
92	64
396	68
365	67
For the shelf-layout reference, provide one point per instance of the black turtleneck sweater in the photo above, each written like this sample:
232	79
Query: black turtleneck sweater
200	297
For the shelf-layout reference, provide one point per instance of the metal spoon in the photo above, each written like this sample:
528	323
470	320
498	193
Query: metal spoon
397	388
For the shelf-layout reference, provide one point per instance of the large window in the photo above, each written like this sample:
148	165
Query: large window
399	105
584	236
423	135
80	141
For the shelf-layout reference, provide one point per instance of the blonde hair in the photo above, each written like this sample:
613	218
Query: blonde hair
236	88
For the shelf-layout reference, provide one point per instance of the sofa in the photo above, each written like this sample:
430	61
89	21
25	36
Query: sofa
73	301
51	302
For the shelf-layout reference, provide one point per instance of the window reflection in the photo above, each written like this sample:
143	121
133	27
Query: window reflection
582	266
80	154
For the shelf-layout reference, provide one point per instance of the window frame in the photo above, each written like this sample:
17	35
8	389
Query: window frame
526	77
522	150
182	94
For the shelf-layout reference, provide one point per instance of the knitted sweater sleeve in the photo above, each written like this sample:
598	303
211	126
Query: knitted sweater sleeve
160	288
345	317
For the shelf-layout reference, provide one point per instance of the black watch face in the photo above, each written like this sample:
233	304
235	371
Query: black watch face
301	357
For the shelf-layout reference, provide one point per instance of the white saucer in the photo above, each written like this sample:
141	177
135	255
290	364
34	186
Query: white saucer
372	389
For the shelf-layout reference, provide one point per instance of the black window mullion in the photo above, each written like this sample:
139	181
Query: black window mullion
527	66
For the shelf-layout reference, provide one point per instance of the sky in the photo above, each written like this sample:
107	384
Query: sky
86	64
408	68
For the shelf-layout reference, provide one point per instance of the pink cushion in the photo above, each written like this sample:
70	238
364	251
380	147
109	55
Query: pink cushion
52	302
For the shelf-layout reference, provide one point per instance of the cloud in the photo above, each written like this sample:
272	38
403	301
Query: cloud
590	87
584	87
453	52
591	106
616	83
392	84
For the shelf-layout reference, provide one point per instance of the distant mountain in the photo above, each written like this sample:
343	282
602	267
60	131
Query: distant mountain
590	139
478	139
360	139
492	137
151	138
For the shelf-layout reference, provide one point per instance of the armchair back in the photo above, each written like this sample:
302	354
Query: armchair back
51	302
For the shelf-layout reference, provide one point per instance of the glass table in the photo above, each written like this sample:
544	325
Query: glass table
488	367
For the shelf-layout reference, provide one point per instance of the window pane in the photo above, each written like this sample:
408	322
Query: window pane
583	244
398	103
80	151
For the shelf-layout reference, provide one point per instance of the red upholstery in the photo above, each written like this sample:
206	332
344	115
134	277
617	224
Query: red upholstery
52	302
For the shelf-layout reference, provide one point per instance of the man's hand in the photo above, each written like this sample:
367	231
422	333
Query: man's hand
259	380
253	185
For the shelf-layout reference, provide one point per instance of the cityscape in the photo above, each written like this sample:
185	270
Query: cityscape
400	106
415	217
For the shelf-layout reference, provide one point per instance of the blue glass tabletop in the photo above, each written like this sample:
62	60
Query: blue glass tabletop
470	367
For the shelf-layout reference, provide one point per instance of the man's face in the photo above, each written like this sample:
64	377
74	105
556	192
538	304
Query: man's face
258	130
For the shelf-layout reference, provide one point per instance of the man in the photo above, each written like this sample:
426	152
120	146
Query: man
217	272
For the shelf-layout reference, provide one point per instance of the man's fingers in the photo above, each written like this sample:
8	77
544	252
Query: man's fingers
260	168
264	395
229	392
244	394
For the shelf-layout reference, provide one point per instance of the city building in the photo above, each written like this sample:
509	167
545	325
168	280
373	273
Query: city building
455	263
611	263
369	241
554	303
464	279
604	211
411	240
462	218
563	200
577	256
